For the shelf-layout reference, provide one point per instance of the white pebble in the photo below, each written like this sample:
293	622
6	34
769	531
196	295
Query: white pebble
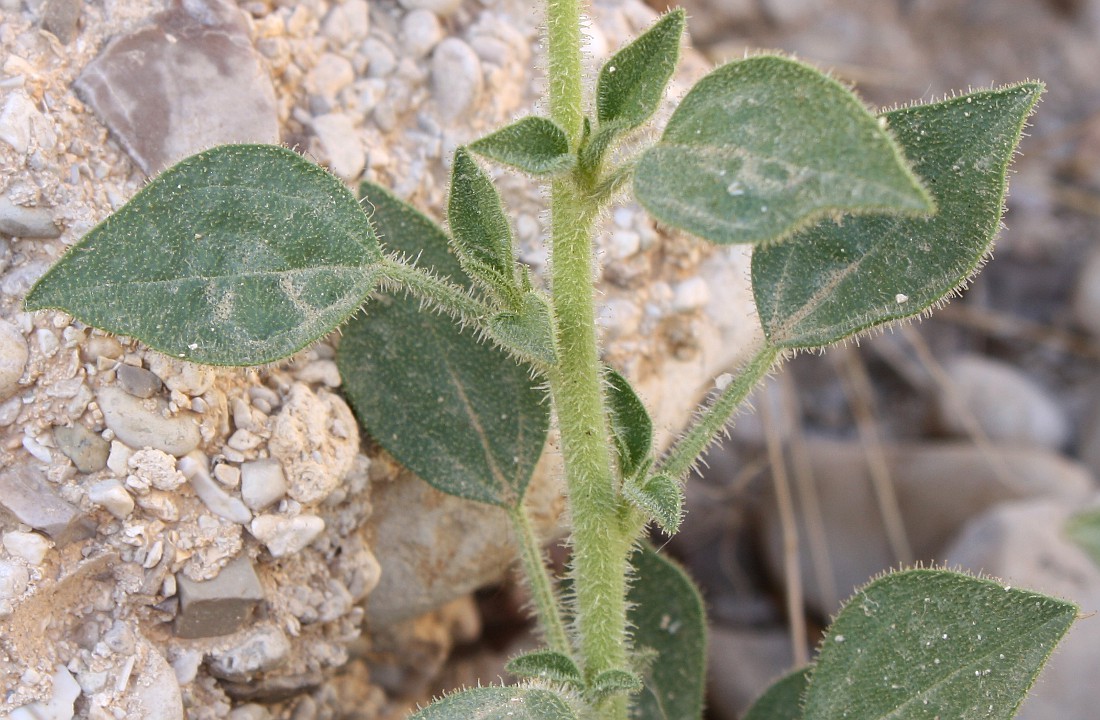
456	78
443	8
60	705
194	468
228	475
624	244
329	76
320	371
380	58
285	536
347	22
29	546
180	375
340	144
422	32
156	468
690	294
13	358
35	448
262	483
113	497
141	423
15	121
244	440
47	341
118	460
13	580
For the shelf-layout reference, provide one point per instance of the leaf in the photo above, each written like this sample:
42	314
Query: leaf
614	682
631	426
660	498
595	149
633	81
461	414
481	236
531	331
240	255
1084	529
834	280
667	614
499	703
783	700
546	665
933	643
762	147
536	145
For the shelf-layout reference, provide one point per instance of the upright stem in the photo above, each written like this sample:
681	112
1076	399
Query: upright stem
543	596
563	24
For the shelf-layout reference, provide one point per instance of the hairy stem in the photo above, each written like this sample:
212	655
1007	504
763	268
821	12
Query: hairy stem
563	25
543	596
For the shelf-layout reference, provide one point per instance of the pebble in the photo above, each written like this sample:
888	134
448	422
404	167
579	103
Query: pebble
186	665
381	61
118	460
690	295
156	469
66	690
209	67
13	358
442	8
1007	404
262	483
16	121
139	382
340	144
135	424
195	468
156	689
329	76
113	497
347	22
25	493
29	546
86	449
265	648
286	536
244	440
456	78
26	222
9	411
14	578
181	376
60	17
422	32
228	475
221	605
159	504
320	372
624	244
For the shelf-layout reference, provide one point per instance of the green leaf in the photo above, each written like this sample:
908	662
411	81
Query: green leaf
461	414
834	280
595	149
633	81
668	617
536	145
934	644
499	703
762	147
783	700
1084	529
660	498
546	665
530	332
631	426
614	682
240	255
482	238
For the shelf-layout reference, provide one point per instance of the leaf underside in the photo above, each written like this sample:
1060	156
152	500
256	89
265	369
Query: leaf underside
631	426
545	665
481	235
498	703
835	279
533	144
762	147
459	413
240	255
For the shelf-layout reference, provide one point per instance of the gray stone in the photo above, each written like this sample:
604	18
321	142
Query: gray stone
262	483
61	17
86	449
265	648
25	493
194	468
142	423
219	606
139	382
188	81
154	687
13	358
28	222
456	78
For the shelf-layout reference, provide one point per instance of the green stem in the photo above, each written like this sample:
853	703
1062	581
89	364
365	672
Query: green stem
563	25
538	579
712	420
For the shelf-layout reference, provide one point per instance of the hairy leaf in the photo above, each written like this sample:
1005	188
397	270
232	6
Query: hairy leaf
631	426
481	235
783	700
240	255
762	147
660	498
668	617
934	644
633	81
614	682
545	665
533	144
836	279
499	703
530	331
1084	529
459	413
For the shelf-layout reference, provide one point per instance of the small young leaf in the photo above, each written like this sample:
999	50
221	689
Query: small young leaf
595	149
633	81
546	665
631	427
667	614
533	144
614	682
933	643
836	279
459	413
240	255
482	237
499	703
660	498
783	700
530	331
1084	529
762	147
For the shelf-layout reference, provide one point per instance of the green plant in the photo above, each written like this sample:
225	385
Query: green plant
243	255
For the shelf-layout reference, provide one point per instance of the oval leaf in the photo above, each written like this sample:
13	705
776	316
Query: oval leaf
834	280
482	237
631	427
461	414
762	147
240	255
530	332
783	700
534	144
613	682
660	499
667	614
632	83
933	643
546	665
499	703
